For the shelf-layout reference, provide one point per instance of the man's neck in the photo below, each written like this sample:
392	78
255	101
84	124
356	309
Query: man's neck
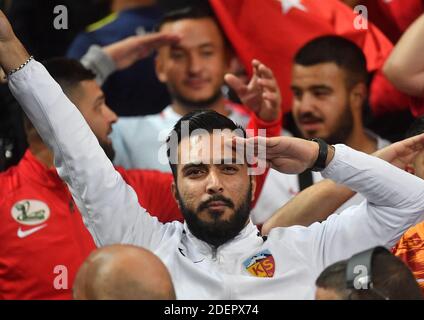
218	106
362	141
40	151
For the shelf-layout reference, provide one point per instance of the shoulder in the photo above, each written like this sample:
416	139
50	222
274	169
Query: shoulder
9	181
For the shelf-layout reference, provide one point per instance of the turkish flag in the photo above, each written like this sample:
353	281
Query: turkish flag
273	30
393	17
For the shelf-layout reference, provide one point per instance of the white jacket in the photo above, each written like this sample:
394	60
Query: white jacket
291	257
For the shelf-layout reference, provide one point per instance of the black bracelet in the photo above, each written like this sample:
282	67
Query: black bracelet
319	164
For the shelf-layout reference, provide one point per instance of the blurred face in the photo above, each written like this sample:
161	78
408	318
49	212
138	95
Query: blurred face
321	106
194	68
214	197
90	100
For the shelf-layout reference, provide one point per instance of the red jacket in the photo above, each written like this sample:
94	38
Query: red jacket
43	239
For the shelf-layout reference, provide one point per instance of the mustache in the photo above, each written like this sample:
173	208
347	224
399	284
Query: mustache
308	116
204	205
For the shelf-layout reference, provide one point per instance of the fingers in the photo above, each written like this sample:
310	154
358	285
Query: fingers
268	84
262	70
156	40
236	84
418	142
272	97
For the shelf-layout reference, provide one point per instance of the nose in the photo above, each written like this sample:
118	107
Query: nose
214	184
195	64
305	103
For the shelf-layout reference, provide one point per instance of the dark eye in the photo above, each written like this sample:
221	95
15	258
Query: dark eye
230	169
177	54
320	93
207	53
193	173
297	94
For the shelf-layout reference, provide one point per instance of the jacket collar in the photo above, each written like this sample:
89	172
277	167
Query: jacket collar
247	238
36	171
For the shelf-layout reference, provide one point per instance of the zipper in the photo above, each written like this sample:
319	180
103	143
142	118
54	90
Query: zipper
214	254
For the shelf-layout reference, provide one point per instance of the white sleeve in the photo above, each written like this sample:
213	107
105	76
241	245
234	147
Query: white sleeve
109	206
395	201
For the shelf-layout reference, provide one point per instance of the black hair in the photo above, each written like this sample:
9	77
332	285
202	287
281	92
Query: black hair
194	11
208	120
391	279
68	72
416	128
341	51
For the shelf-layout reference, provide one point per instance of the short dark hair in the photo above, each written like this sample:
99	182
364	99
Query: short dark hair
68	72
194	11
391	277
416	128
341	51
208	120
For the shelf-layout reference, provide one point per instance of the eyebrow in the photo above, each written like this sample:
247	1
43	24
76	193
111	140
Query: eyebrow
320	87
100	98
193	165
225	161
201	46
313	87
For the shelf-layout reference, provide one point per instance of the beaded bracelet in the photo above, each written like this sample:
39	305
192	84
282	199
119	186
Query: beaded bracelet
20	67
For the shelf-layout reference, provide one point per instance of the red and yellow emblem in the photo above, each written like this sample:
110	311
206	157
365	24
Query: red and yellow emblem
261	264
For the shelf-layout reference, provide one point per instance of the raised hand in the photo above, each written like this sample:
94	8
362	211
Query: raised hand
6	31
285	154
12	52
128	51
261	94
402	153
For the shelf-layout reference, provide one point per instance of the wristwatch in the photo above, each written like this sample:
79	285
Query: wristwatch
319	164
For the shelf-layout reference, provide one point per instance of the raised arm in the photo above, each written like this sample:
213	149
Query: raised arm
109	206
395	198
124	53
320	200
405	65
313	204
395	201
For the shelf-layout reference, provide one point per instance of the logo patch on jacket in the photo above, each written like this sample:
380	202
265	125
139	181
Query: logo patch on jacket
30	212
261	264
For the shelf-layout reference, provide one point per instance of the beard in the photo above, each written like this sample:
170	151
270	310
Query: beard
340	133
108	149
217	232
195	104
344	128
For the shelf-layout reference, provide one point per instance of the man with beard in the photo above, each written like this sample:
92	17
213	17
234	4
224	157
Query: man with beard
213	189
193	70
43	236
329	84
